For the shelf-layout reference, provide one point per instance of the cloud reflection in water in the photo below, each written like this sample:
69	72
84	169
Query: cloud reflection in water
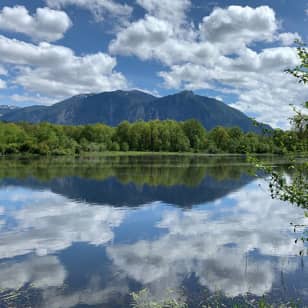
228	248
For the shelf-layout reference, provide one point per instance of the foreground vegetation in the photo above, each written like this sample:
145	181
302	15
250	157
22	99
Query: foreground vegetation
294	189
153	136
144	299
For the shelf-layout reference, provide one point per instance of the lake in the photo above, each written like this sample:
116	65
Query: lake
88	232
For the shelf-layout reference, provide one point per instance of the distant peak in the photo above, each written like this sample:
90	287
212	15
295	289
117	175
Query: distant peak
186	93
8	107
83	95
134	91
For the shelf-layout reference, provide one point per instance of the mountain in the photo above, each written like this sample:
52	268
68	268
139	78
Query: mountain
107	107
4	109
210	112
114	107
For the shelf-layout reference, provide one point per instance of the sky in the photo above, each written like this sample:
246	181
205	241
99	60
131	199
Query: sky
235	51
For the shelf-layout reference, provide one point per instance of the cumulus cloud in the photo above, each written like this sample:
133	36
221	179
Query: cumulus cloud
214	244
56	71
33	99
237	26
47	223
175	10
162	34
220	54
46	24
146	34
99	8
288	38
224	29
154	38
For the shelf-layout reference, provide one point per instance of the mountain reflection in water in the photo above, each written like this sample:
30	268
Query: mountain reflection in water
89	232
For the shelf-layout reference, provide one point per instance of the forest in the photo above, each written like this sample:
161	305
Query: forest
153	136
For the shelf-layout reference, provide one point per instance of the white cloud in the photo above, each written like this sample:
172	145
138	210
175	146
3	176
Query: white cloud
142	37
48	223
154	38
56	71
46	24
2	84
173	11
32	99
99	8
220	54
238	26
288	38
3	71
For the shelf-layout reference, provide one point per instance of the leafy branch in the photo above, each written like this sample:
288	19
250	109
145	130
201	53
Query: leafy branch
294	189
301	71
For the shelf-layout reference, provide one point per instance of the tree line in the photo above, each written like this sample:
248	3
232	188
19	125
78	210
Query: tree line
153	136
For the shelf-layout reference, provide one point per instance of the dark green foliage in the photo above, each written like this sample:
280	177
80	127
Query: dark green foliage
195	133
153	136
301	71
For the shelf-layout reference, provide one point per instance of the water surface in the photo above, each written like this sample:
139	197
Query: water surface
87	233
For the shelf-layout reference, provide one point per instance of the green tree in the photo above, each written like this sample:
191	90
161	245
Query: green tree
219	135
122	132
195	133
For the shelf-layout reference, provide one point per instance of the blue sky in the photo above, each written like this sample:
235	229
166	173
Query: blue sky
235	51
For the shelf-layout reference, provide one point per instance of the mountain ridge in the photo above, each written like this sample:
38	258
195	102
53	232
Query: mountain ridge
6	109
114	107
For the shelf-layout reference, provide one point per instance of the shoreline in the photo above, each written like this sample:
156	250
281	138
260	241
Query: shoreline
146	153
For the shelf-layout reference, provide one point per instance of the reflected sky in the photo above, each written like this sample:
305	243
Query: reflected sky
63	250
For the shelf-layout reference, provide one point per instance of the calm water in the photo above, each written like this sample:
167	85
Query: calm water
87	233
